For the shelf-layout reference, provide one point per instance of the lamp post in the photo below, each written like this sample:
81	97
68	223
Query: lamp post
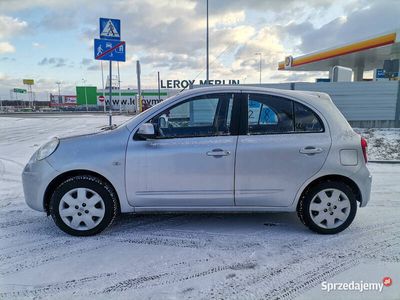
102	82
260	54
59	91
207	54
84	86
159	91
119	89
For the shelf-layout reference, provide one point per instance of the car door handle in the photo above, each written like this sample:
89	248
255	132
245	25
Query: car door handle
218	152
311	150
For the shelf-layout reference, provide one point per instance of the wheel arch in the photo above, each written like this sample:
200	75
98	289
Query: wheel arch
332	177
62	177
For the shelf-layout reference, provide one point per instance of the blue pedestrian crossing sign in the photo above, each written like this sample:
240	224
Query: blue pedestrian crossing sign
110	29
109	50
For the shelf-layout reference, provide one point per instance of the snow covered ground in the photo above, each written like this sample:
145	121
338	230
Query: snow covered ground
383	143
183	256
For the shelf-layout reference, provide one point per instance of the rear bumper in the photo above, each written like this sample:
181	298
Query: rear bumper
35	178
364	183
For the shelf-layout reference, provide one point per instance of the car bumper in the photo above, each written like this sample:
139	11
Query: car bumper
365	185
35	178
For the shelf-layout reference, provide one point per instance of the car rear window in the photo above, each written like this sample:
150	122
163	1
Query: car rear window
269	114
306	120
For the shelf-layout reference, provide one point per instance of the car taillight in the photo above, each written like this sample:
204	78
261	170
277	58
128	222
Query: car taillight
364	146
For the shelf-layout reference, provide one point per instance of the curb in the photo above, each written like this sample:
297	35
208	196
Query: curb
384	161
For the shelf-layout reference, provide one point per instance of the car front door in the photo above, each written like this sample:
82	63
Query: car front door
191	160
283	143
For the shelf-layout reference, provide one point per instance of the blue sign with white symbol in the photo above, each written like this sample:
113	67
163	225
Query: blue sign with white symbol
109	50
110	29
380	73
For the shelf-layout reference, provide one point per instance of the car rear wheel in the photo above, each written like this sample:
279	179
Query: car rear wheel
328	207
83	205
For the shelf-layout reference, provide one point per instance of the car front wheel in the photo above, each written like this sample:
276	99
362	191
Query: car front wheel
83	205
328	207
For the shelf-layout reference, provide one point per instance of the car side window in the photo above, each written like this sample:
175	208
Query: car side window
306	120
269	114
201	116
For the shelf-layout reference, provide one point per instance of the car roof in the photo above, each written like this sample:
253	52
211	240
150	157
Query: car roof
303	95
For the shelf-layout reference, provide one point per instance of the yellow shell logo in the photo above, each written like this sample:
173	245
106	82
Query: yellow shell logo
288	61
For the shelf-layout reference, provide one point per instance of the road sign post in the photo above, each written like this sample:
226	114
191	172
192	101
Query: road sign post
29	83
110	47
110	112
102	82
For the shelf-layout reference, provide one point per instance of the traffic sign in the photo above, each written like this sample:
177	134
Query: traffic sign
109	50
380	73
102	98
20	91
110	29
109	47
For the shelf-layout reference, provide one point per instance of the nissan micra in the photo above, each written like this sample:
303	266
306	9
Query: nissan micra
212	149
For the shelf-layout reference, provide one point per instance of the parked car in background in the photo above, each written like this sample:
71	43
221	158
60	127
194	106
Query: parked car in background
214	149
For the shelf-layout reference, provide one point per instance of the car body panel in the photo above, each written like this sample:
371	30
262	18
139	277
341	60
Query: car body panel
102	153
35	177
270	168
177	172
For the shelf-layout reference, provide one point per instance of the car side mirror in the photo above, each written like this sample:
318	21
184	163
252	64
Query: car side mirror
146	131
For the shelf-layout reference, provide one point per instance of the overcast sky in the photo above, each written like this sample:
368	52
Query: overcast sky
52	40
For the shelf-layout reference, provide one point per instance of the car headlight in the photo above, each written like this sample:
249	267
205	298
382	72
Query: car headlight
47	149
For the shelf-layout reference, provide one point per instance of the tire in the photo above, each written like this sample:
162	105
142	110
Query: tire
83	205
328	207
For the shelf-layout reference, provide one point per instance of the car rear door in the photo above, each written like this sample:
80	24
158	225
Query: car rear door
191	161
283	143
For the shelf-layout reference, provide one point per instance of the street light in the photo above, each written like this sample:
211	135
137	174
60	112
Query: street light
59	92
207	56
84	86
259	53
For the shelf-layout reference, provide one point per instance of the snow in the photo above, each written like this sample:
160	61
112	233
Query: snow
186	256
383	143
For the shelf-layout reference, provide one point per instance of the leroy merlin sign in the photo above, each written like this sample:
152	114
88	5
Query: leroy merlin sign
183	84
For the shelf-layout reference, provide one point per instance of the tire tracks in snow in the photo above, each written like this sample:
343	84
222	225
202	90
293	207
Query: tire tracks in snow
183	271
289	278
136	283
22	259
53	288
323	272
2	169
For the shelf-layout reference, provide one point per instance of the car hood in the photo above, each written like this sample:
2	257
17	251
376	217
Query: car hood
85	150
100	130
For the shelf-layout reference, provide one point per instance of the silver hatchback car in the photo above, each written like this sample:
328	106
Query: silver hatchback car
214	149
